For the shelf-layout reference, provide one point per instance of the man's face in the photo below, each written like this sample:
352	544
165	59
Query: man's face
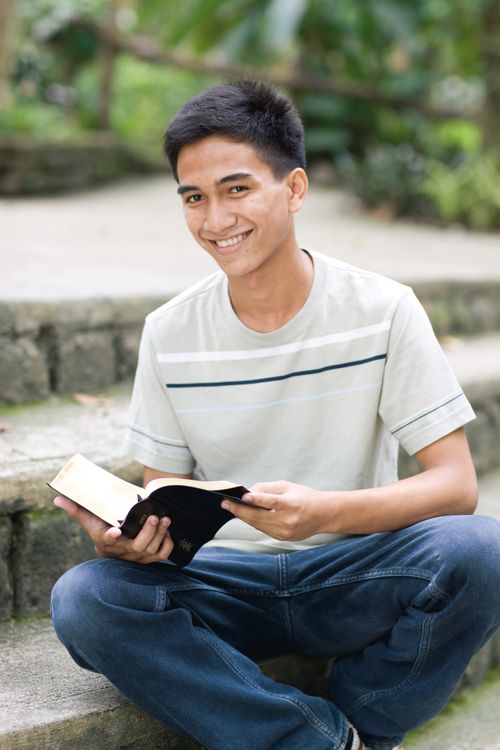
234	206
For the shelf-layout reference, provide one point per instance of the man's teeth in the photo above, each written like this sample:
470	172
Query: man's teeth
231	240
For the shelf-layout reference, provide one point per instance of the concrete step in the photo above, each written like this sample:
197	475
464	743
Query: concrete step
470	722
48	703
88	344
38	543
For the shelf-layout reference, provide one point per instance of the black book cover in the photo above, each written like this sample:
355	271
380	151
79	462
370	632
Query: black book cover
196	516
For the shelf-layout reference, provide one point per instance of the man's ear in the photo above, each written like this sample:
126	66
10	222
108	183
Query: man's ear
297	183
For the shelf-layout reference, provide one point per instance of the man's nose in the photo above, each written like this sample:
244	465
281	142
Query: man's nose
218	218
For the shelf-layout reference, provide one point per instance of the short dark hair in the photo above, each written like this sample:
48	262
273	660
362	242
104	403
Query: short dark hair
248	112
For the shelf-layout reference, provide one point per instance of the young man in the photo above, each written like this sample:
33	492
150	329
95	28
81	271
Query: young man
298	376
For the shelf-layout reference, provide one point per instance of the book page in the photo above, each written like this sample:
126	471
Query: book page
96	489
216	486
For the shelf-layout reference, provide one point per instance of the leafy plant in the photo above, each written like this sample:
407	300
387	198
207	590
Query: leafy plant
388	175
144	99
468	194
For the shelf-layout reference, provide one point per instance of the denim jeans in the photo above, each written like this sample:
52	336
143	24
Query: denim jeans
402	612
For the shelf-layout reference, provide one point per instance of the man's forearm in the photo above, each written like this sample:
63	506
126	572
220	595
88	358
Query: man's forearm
447	485
438	491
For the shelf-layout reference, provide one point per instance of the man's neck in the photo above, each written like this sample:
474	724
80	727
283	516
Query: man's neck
267	301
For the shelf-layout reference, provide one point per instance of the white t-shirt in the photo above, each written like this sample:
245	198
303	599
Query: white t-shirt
323	401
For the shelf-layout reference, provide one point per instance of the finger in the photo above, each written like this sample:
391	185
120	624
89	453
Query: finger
91	523
166	546
267	500
251	514
64	503
151	535
272	488
112	535
160	536
162	553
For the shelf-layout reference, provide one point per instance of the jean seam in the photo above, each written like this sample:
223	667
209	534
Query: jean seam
282	563
308	714
426	633
161	598
330	582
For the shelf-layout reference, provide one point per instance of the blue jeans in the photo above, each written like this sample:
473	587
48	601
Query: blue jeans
402	612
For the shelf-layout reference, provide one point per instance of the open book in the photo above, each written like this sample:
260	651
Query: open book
193	507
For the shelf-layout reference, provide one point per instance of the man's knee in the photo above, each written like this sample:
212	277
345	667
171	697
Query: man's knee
468	548
72	599
470	541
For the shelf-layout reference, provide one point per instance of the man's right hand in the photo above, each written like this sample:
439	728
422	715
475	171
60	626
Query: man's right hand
152	544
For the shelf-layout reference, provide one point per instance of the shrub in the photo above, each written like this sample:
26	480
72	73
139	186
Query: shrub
388	174
469	194
466	191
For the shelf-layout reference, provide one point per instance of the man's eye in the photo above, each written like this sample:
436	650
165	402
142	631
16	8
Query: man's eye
238	189
196	198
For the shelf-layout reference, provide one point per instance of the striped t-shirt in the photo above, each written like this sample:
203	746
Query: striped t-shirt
323	401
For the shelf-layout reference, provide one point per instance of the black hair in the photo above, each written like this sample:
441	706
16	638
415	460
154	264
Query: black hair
248	112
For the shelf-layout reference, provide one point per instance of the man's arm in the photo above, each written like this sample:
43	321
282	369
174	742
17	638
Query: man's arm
447	485
152	544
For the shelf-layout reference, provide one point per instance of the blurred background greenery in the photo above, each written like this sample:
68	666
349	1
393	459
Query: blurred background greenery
400	99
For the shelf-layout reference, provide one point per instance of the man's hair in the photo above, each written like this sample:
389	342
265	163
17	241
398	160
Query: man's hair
247	112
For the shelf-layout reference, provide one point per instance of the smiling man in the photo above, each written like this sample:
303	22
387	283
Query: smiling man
298	376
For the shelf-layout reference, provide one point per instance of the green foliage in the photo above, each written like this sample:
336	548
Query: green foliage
145	98
40	120
412	184
469	194
388	175
429	50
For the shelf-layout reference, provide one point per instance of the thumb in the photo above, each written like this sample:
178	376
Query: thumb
269	488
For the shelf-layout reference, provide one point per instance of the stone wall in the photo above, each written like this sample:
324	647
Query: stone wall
65	347
86	345
28	166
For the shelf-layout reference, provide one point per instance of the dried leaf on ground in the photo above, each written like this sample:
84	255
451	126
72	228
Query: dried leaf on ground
87	399
450	342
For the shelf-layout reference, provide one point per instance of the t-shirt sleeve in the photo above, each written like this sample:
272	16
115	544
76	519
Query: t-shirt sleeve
153	436
421	399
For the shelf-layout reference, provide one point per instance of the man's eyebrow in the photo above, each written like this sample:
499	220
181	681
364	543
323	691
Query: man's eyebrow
187	189
223	180
234	177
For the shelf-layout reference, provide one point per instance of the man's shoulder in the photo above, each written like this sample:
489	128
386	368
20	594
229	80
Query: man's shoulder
199	295
355	283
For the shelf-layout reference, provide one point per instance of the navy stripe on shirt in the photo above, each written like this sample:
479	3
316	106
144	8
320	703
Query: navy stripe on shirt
288	375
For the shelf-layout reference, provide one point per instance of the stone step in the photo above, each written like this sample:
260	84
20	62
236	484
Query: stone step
48	703
38	543
88	344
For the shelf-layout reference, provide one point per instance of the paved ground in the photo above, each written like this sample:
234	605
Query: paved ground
130	239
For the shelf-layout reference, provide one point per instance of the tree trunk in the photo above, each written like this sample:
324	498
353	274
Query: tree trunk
107	64
491	72
7	30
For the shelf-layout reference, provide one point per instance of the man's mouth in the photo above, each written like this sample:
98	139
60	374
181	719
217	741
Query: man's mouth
230	241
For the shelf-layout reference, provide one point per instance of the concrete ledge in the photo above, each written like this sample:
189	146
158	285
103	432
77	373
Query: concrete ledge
69	346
